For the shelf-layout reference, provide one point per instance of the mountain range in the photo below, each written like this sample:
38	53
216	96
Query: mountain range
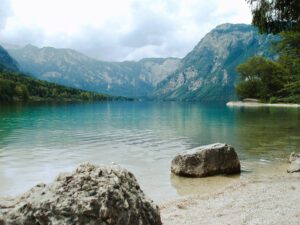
71	68
16	86
207	73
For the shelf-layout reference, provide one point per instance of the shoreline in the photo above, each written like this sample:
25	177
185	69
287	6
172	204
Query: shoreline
269	200
257	104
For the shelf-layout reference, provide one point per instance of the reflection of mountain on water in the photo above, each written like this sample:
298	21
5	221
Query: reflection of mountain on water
200	123
267	132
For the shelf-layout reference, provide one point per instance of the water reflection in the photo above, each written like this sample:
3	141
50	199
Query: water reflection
267	132
203	186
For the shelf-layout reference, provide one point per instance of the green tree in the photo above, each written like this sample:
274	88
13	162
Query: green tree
281	79
19	87
289	52
275	16
289	57
261	78
86	96
6	90
21	92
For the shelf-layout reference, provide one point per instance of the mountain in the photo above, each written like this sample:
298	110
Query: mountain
15	86
71	68
6	61
208	72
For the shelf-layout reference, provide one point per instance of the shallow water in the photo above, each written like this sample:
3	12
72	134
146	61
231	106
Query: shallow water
39	141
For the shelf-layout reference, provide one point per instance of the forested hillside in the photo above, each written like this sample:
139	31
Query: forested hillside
15	86
18	87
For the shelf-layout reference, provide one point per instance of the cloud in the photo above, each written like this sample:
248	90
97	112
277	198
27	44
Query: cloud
5	12
117	30
151	28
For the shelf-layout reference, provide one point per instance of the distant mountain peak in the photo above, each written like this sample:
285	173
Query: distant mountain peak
208	72
30	46
226	26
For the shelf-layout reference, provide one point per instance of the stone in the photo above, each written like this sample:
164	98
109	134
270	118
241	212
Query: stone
206	161
294	156
294	166
90	195
294	163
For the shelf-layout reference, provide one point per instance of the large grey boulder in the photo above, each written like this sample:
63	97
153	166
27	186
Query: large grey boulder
91	195
294	163
206	161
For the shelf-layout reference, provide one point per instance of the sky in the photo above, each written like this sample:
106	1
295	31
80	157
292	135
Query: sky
117	30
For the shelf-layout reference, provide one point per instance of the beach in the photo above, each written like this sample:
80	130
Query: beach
258	104
270	200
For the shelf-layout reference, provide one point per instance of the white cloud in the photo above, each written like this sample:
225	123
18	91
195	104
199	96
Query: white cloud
5	12
117	29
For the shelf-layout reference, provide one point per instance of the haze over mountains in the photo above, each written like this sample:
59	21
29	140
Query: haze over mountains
207	73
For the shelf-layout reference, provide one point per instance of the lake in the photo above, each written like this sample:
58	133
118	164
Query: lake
39	141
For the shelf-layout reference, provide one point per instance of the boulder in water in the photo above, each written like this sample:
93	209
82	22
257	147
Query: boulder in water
206	161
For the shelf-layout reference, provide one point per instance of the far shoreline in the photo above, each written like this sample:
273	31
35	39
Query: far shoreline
258	104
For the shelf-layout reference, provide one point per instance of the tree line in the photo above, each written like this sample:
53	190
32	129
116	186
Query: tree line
18	87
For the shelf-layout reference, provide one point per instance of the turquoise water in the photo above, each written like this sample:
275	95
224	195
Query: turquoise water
39	141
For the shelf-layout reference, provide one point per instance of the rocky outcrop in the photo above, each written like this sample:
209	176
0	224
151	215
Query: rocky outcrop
91	195
206	161
294	163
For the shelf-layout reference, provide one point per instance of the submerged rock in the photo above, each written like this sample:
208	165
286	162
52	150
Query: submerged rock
295	163
206	161
91	195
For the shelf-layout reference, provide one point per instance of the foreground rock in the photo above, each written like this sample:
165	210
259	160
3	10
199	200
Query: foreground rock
90	195
295	163
206	161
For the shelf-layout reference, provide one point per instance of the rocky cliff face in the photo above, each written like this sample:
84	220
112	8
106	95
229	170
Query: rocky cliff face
208	73
71	68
